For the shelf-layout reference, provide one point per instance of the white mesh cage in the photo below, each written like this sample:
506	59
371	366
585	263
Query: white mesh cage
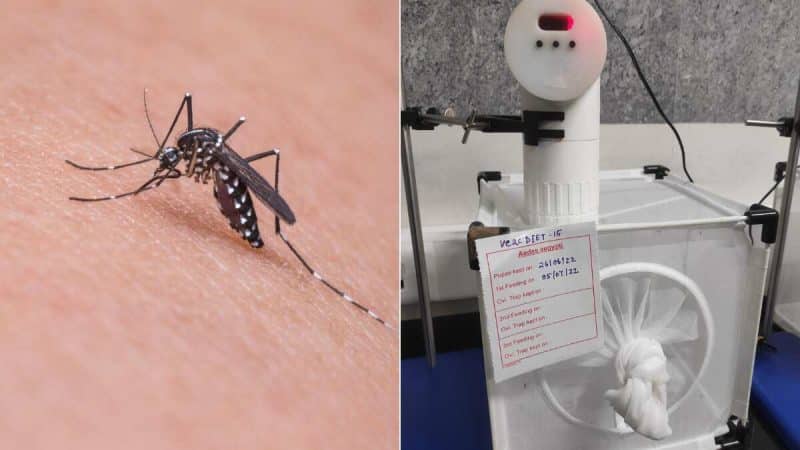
677	269
645	305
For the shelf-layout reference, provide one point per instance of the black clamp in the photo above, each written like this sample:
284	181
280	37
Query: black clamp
786	126
488	175
478	231
412	117
532	120
737	437
529	124
656	169
780	171
766	217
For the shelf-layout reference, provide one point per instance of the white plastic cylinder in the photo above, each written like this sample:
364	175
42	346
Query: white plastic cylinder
562	176
556	50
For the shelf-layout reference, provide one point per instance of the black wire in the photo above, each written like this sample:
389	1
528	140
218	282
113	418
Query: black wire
774	186
647	87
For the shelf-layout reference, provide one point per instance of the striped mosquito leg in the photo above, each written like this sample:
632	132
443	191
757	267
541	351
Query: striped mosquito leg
114	167
333	288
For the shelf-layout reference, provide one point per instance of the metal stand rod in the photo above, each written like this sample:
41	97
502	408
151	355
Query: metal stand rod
783	225
420	269
763	123
417	243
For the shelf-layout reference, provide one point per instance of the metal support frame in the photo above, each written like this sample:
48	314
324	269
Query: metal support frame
417	244
774	276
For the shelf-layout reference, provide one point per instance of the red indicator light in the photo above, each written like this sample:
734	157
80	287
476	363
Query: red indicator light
556	22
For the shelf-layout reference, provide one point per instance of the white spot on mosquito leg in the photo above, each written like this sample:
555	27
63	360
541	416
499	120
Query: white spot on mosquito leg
317	276
373	315
348	298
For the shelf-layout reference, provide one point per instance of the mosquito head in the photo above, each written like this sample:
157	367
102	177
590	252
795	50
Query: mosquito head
169	157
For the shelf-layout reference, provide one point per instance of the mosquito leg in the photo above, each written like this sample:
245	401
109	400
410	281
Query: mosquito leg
277	153
277	172
110	197
169	175
187	98
258	156
146	186
120	166
158	179
330	286
233	128
189	115
142	188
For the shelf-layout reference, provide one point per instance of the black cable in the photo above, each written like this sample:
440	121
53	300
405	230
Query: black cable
647	87
780	174
774	186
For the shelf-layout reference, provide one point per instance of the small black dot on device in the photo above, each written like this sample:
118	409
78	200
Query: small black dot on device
571	44
539	43
555	44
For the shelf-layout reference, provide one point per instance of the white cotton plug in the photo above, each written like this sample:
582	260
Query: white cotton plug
642	400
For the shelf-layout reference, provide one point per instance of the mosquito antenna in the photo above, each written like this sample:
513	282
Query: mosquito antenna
333	288
139	152
147	115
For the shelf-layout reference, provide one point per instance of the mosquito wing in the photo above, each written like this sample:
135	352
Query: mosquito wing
256	183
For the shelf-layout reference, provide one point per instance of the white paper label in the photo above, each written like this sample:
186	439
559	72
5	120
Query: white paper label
541	297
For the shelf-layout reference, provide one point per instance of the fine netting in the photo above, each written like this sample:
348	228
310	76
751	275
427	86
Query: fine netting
658	337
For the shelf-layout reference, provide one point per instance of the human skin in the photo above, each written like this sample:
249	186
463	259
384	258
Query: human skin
146	322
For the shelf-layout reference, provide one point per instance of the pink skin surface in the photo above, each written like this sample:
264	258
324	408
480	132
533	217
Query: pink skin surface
145	322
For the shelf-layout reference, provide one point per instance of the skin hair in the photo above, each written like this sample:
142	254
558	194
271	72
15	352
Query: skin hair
145	322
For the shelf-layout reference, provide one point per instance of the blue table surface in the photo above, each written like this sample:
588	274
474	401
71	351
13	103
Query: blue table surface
445	407
776	387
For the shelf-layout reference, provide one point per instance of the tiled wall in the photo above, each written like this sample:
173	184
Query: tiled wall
708	61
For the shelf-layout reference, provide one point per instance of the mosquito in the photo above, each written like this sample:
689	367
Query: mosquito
207	155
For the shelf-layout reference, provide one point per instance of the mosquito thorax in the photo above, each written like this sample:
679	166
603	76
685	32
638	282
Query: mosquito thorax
197	137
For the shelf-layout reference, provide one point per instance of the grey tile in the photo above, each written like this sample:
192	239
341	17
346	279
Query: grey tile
709	56
770	77
651	28
453	55
717	60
